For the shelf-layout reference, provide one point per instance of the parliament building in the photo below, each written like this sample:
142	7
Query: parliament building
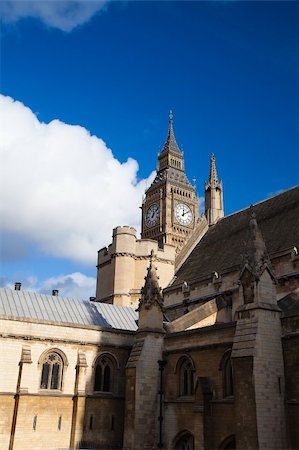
190	343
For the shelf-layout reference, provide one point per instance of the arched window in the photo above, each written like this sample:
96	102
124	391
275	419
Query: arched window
229	443
103	378
227	374
185	442
52	371
186	376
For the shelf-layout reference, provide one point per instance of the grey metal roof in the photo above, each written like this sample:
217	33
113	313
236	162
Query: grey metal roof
41	307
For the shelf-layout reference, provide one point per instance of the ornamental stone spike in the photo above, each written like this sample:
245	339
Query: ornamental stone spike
151	290
213	195
256	256
213	180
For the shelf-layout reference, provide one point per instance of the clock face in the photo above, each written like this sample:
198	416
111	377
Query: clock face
152	215
183	214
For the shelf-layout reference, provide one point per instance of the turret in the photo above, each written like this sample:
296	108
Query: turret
213	195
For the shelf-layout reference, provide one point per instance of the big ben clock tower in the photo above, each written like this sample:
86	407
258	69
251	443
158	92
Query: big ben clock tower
170	206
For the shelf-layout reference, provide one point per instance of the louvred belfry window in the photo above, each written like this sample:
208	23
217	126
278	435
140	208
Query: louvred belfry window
52	372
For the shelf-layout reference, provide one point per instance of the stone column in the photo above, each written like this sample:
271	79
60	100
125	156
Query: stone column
79	401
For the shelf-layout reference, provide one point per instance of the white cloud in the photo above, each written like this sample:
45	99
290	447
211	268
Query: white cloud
75	285
62	188
62	14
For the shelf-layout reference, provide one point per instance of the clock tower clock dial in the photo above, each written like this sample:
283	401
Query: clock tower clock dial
170	206
183	214
152	215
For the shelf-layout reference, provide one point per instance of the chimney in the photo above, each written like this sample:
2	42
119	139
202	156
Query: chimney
18	286
55	292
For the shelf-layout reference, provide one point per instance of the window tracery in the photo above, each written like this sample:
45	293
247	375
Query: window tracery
186	377
185	442
52	371
103	379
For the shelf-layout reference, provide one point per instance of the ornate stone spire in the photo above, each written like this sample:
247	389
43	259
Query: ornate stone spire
151	291
170	143
213	195
256	257
213	180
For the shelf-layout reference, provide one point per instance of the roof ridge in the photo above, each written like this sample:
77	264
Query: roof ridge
259	202
64	297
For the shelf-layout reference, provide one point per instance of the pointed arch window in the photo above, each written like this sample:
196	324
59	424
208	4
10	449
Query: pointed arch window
52	371
104	371
186	377
229	443
185	442
227	374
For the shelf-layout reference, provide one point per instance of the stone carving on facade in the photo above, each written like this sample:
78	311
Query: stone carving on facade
255	261
151	291
256	258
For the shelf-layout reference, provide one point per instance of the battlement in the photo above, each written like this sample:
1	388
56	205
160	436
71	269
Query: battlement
125	243
125	229
145	246
123	264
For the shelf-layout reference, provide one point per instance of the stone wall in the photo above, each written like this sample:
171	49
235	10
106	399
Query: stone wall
32	418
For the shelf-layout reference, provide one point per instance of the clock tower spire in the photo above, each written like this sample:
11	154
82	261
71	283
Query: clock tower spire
170	206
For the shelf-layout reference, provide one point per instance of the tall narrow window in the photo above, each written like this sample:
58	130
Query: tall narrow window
227	374
186	378
228	379
107	378
103	374
52	372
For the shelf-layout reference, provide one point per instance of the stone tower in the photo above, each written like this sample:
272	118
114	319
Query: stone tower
213	195
170	206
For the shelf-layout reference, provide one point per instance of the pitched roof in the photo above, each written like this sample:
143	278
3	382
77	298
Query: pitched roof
290	303
65	310
223	245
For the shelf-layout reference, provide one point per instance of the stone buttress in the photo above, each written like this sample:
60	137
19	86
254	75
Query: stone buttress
257	352
142	371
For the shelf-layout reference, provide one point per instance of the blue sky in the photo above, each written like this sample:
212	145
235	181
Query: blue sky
228	70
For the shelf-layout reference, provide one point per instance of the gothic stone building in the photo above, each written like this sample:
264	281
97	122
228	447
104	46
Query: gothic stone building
209	362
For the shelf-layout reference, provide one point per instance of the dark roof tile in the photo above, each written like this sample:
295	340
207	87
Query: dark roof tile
222	247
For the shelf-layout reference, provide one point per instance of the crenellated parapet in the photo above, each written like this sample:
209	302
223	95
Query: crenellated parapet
123	264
